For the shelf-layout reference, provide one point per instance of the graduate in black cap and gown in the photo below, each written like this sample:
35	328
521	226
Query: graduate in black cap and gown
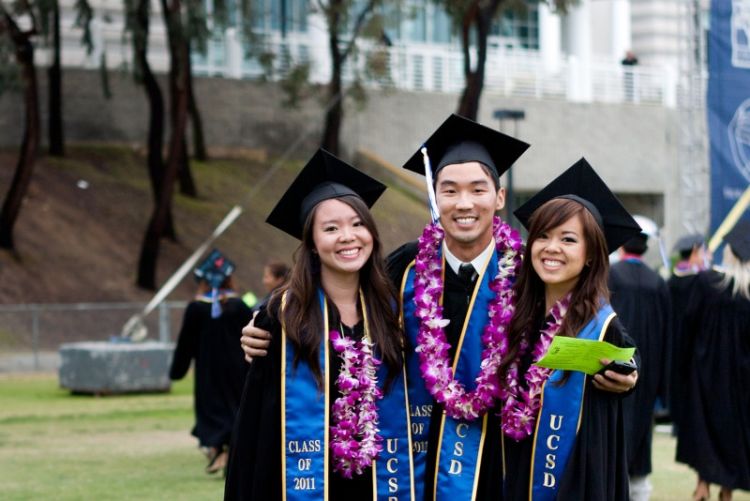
210	331
563	436
642	302
324	415
713	437
458	279
693	258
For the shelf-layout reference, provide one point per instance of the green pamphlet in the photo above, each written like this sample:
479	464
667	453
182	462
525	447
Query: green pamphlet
568	353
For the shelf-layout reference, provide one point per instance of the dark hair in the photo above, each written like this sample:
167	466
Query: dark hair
588	292
302	318
637	245
278	269
487	170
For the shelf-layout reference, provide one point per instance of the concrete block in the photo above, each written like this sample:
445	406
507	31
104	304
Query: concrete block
108	368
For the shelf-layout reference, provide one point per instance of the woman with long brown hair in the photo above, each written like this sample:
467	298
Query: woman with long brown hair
324	415
563	435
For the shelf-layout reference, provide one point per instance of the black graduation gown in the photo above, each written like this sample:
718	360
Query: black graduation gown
680	286
254	470
220	366
456	298
641	299
597	467
714	433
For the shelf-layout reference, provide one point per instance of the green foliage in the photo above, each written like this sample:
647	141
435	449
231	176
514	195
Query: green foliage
294	85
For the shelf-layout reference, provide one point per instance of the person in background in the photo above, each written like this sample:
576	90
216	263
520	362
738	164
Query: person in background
642	302
693	258
210	332
713	436
275	274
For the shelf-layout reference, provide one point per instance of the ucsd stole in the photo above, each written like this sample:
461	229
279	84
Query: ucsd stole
305	415
460	442
560	418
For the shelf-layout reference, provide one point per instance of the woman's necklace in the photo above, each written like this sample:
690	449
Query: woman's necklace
521	407
355	441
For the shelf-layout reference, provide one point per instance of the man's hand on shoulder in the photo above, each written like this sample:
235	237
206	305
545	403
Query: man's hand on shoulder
254	341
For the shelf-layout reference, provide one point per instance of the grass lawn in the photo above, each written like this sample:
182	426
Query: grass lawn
55	446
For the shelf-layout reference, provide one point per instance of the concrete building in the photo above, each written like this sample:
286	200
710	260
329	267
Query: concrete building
563	70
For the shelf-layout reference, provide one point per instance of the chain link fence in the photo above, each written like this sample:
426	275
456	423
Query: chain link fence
30	334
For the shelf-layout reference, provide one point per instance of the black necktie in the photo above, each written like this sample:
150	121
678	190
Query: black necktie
466	272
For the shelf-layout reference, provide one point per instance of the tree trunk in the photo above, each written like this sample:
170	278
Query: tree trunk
29	146
199	142
481	17
187	183
156	113
335	113
54	76
178	56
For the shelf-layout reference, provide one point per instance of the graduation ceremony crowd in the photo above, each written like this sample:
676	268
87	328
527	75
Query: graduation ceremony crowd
414	375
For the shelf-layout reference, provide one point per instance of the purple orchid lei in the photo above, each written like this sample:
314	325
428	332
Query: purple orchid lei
355	441
432	345
521	407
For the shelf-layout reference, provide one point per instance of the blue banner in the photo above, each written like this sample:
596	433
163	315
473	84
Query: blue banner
728	104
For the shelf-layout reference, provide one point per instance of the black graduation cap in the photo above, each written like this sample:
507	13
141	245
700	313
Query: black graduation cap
582	184
739	239
459	140
688	242
325	176
214	269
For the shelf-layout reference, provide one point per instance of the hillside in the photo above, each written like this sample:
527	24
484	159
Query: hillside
79	242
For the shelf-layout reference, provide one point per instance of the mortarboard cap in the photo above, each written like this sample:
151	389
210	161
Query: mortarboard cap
688	242
325	176
459	140
214	269
581	183
738	239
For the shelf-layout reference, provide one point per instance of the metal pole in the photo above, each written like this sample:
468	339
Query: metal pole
165	331
35	337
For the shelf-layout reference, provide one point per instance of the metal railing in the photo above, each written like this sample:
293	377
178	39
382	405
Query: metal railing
30	334
434	68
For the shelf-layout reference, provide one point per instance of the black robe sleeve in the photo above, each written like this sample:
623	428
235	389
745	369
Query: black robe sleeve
398	260
187	341
254	470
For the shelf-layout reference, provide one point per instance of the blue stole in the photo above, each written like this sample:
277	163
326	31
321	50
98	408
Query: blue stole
460	442
306	421
560	419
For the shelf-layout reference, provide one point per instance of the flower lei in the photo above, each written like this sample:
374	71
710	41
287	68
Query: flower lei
432	345
521	407
355	441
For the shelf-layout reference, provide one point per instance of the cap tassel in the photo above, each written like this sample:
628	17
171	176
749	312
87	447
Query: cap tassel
434	212
215	305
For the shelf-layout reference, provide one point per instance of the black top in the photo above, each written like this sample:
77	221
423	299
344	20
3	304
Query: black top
220	366
714	432
679	290
641	299
254	470
597	468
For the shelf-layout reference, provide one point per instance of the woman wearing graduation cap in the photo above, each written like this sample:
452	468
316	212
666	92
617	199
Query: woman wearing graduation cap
714	433
210	329
324	415
563	435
